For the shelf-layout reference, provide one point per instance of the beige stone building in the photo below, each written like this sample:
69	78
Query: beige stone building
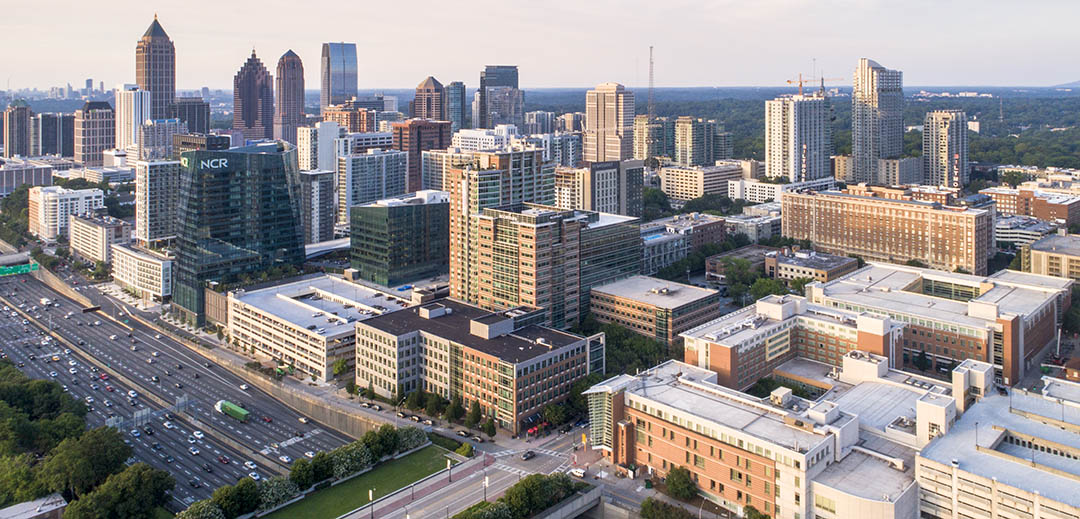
655	308
684	183
91	237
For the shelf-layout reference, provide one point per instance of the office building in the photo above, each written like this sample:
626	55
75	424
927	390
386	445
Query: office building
16	131
1051	207
609	123
366	177
434	165
402	239
505	76
91	237
253	100
563	149
571	122
16	172
657	309
147	273
945	148
338	73
289	103
610	246
1011	232
482	139
900	172
606	187
504	361
198	141
194	112
792	263
505	105
308	324
755	228
50	207
700	142
539	122
317	203
798	138
132	110
351	118
685	183
384	119
109	174
364	141
52	134
456	106
699	228
653	138
315	146
877	119
884	224
430	100
154	139
1056	255
95	132
758	192
156	190
155	70
414	137
223	195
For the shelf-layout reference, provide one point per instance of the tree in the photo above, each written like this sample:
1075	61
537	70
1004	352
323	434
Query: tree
1013	178
555	414
578	403
416	400
434	405
922	361
455	411
410	438
17	481
388	440
680	484
1017	263
466	449
77	465
798	285
369	393
473	417
322	466
916	263
749	512
766	286
350	387
341	366
133	493
275	491
205	509
302	473
489	428
657	509
238	499
861	262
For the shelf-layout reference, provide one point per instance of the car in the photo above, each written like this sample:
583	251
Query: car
527	455
154	354
97	323
179	385
134	348
193	451
132	402
74	381
132	394
195	375
428	421
112	337
109	388
179	366
135	433
244	387
400	414
414	418
89	399
168	425
223	459
206	467
477	439
94	386
267	419
577	473
310	454
463	434
198	434
168	373
250	465
156	446
206	365
365	404
72	362
170	416
52	373
103	376
148	430
376	407
254	475
274	446
23	365
157	335
155	378
169	458
303	419
285	459
191	439
149	360
107	403
72	371
194	483
64	389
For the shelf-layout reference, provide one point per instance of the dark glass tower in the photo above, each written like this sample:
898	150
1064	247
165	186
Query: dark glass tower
403	239
239	214
456	107
155	69
494	76
253	100
289	105
338	74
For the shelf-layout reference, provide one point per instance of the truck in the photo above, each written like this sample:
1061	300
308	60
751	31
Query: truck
45	301
231	409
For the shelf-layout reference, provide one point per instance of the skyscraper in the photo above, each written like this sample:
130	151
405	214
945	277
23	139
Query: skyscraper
155	69
194	112
797	138
538	122
456	106
945	148
156	183
238	213
289	106
430	100
414	137
317	205
877	118
95	132
493	76
366	177
653	138
132	110
253	100
17	130
609	123
338	73
52	134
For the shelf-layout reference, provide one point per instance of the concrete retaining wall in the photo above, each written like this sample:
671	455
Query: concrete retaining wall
57	284
575	506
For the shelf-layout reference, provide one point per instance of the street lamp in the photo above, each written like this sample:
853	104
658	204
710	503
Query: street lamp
449	469
485	484
371	501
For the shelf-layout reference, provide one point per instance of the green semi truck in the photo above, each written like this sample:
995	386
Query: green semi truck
231	409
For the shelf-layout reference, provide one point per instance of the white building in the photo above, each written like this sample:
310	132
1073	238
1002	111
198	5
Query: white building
756	191
16	172
609	123
51	206
564	149
686	183
1019	230
370	176
315	145
317	203
435	164
754	227
945	148
92	237
132	109
660	249
900	172
110	174
483	139
361	142
877	119
798	138
156	186
146	272
154	139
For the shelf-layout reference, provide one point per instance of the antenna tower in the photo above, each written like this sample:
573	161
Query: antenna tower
652	107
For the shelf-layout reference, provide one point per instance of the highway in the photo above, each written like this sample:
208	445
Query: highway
273	429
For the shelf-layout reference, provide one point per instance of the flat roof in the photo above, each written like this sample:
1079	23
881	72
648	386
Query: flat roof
518	346
749	252
34	508
326	305
1061	244
814	260
852	474
655	292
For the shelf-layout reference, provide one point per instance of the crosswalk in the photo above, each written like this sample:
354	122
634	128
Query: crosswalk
500	454
513	470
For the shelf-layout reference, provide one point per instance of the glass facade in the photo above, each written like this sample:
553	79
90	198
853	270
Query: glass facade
338	73
238	214
395	244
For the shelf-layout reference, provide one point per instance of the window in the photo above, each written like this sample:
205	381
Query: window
699	461
824	503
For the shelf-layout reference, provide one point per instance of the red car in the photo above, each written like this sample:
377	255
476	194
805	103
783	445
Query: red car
104	376
267	419
223	459
109	388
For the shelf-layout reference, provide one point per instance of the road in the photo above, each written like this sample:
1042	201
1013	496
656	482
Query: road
274	429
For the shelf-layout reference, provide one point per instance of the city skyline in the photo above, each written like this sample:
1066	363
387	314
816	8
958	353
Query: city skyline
205	49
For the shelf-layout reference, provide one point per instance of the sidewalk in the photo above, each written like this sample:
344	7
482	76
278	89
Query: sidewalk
407	495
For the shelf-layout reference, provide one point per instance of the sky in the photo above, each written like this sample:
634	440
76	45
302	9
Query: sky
555	43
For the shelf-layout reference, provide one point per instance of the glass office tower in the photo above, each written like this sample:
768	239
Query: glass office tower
338	73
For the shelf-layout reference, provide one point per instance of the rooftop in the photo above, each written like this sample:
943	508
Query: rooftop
1063	244
812	260
34	508
518	346
326	305
851	474
750	252
655	292
426	196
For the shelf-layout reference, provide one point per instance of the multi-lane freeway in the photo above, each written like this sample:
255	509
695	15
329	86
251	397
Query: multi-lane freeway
158	366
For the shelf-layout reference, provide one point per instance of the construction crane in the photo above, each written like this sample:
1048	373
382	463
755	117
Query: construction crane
800	81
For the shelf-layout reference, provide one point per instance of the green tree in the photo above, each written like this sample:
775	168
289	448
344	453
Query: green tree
916	263
489	428
416	400
388	440
341	366
238	499
466	449
205	509
350	387
798	285
133	493
434	405
657	509
456	410
555	414
749	512
369	393
78	465
473	417
680	484
17	481
1014	178
766	286
322	466
302	473
1017	263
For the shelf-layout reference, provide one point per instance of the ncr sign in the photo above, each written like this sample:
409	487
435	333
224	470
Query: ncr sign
219	163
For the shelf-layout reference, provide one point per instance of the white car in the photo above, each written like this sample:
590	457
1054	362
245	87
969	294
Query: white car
135	433
244	387
52	373
168	425
254	475
72	371
191	439
303	419
89	399
71	363
198	434
157	336
132	394
193	451
310	454
250	465
285	459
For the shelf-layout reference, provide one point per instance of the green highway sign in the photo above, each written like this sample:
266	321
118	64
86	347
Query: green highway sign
18	269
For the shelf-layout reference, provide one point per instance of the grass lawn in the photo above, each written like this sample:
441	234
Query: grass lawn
161	513
348	496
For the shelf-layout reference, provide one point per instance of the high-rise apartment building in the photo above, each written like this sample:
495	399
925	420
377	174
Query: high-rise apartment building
315	146
132	110
539	122
414	137
317	205
50	206
606	187
609	123
493	76
655	138
223	197
363	141
95	132
253	100
436	165
482	138
289	104
52	134
402	239
797	138
194	112
366	177
505	105
687	183
884	224
16	130
154	139
700	142
351	117
155	69
456	106
92	236
945	148
877	118
338	73
564	149
156	196
571	122
430	100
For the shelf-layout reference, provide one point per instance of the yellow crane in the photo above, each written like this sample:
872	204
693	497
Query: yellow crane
800	81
